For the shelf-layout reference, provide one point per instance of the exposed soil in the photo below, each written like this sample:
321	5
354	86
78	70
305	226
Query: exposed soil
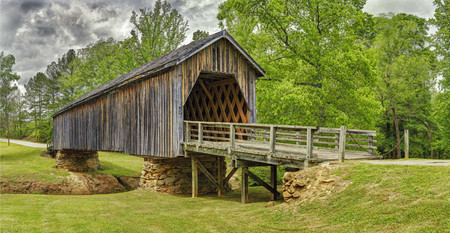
313	183
74	184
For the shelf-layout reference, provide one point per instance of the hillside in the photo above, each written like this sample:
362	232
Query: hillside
385	198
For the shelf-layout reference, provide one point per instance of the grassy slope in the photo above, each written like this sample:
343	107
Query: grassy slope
19	163
381	198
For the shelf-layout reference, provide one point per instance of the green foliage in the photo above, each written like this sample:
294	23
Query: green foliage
199	34
155	33
7	91
317	71
406	70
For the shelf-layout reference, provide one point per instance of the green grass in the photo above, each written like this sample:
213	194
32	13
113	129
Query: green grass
19	163
380	198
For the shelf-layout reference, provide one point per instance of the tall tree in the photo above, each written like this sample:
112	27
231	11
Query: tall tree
317	72
441	101
7	88
199	34
37	100
155	32
406	72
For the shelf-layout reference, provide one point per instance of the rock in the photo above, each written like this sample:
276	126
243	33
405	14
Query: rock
270	204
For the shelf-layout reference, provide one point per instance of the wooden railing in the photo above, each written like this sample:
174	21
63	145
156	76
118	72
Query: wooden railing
271	139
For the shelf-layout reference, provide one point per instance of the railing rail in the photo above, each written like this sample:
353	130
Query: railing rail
270	138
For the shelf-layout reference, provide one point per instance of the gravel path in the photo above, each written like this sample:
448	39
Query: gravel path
413	162
25	143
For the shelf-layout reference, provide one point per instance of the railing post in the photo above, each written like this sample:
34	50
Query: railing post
406	144
187	132
298	138
200	133
342	138
309	146
370	144
336	141
232	135
265	135
273	138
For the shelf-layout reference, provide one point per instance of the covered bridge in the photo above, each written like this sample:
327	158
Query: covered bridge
197	101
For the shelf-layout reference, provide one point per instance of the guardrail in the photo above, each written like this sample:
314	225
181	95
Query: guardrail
269	138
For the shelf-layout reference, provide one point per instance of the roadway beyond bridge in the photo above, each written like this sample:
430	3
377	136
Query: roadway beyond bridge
250	145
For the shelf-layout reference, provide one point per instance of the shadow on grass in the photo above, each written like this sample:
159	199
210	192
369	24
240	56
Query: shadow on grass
116	170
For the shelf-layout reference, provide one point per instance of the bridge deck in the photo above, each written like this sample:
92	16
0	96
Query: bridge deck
292	146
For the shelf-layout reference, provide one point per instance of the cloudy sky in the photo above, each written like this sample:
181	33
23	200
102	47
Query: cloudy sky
37	32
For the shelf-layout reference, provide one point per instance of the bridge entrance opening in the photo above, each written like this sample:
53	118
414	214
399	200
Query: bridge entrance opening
216	98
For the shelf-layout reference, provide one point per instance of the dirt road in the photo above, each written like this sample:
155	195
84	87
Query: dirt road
25	143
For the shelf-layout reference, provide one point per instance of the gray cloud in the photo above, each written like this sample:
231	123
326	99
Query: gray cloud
38	32
421	8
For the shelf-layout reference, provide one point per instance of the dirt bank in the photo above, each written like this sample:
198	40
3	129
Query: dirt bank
313	183
74	184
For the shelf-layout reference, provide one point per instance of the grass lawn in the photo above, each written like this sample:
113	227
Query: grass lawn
381	198
19	163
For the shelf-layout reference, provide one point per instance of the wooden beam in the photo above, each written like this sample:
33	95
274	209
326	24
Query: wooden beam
194	177
309	147
273	181
262	183
208	174
202	85
244	185
220	174
342	138
227	179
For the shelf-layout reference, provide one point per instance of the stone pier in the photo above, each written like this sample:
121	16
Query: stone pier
77	161
174	175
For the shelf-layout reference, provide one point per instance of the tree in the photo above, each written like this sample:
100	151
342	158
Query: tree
406	73
314	54
7	88
199	34
441	100
155	33
37	100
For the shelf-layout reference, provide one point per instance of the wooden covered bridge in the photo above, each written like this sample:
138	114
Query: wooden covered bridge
195	106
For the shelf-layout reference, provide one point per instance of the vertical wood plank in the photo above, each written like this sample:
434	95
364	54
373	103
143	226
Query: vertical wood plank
406	144
273	181
194	177
244	185
342	138
220	175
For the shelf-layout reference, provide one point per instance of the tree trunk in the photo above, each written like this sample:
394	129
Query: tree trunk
430	135
7	123
397	130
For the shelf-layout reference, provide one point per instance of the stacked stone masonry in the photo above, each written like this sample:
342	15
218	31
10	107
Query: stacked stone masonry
77	161
175	175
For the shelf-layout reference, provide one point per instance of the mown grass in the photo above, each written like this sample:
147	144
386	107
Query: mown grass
380	198
19	163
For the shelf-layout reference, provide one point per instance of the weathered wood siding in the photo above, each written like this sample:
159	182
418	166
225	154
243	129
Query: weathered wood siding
135	120
146	118
223	57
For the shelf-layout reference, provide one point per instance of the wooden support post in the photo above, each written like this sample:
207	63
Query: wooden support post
309	147
244	185
370	144
298	138
220	175
273	181
273	138
342	138
200	133
265	135
187	133
406	144
336	141
194	177
232	135
227	179
262	183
